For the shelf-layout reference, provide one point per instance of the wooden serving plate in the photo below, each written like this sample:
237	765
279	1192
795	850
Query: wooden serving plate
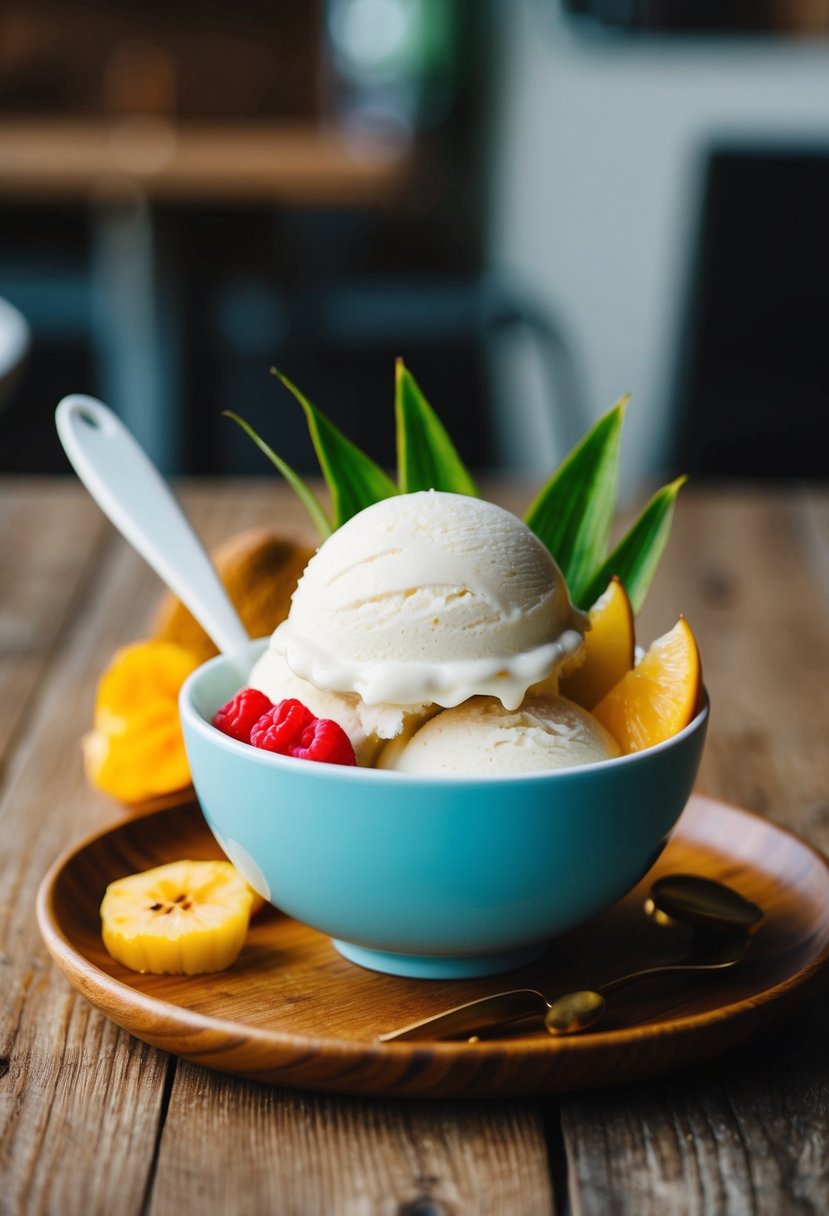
293	1012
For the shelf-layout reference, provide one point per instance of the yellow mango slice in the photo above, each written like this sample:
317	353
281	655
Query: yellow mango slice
659	697
135	750
608	648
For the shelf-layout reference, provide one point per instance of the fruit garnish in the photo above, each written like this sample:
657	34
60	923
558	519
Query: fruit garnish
259	569
426	457
257	903
184	918
325	740
241	713
636	557
281	727
608	648
659	697
290	729
572	513
135	750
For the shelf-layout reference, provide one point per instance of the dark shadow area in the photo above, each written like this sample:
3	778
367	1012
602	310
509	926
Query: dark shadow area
753	398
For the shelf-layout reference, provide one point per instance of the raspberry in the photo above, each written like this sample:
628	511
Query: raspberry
281	726
241	713
290	729
325	740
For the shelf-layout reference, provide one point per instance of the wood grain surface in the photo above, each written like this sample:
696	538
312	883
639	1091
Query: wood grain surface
94	1121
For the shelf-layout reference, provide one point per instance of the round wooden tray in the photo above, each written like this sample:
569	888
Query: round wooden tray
293	1012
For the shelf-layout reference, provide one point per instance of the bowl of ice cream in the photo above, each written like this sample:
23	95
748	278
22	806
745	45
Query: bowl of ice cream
486	814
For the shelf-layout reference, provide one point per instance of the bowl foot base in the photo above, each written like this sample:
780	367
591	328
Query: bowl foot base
438	967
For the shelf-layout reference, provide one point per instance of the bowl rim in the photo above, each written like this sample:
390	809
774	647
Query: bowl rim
191	715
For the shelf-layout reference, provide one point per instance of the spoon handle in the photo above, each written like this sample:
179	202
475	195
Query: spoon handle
725	951
130	490
579	1011
568	1014
500	1009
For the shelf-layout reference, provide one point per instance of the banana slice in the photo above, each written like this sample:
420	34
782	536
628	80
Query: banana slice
185	918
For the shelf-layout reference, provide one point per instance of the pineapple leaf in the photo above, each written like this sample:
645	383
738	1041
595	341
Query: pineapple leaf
426	457
306	495
353	478
573	512
635	558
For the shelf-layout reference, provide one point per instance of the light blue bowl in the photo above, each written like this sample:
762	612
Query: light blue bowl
443	877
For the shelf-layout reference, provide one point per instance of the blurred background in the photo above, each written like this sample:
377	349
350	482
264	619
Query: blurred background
540	204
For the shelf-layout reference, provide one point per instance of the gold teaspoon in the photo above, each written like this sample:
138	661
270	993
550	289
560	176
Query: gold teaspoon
688	899
722	920
577	1011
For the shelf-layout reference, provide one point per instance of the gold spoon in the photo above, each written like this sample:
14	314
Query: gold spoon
721	919
702	903
578	1010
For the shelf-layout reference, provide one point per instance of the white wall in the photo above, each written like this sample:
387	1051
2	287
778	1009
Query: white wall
600	146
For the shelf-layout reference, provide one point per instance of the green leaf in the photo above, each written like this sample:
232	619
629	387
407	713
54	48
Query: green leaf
635	558
573	512
426	457
353	478
306	495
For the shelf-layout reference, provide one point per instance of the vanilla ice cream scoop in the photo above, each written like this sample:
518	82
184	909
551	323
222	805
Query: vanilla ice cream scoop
481	738
430	597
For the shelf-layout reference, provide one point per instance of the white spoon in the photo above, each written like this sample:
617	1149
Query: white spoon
130	490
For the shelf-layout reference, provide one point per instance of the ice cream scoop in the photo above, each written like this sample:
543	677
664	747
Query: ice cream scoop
482	738
430	597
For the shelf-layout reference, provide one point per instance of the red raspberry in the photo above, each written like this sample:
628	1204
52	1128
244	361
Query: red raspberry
281	726
325	740
241	713
290	729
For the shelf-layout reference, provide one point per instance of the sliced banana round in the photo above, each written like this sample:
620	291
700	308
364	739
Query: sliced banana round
184	918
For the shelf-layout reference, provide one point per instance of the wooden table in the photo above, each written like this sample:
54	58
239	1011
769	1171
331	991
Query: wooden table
93	1121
